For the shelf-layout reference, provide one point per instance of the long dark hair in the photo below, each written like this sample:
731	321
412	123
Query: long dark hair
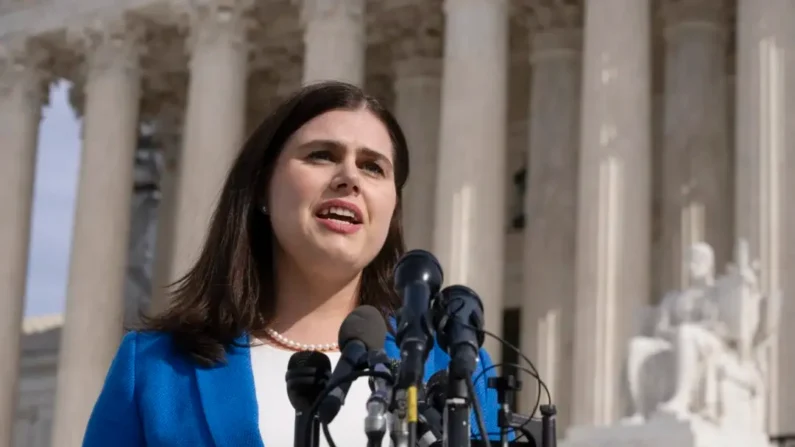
230	289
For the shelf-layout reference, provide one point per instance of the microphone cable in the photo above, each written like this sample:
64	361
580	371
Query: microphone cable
541	386
532	371
478	411
333	385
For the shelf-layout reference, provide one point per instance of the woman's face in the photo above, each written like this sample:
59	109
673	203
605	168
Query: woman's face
332	194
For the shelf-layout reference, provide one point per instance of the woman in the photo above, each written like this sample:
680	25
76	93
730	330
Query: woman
307	228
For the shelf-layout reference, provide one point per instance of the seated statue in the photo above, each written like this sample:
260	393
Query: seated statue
709	346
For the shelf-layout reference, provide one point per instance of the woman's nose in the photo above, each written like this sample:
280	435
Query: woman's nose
347	180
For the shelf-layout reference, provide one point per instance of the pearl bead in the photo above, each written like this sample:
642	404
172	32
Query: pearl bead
284	341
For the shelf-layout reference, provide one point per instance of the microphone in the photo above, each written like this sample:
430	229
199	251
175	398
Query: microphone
436	390
363	330
307	376
430	425
458	320
377	405
418	277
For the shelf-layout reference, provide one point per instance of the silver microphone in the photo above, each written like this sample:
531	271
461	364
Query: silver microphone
375	423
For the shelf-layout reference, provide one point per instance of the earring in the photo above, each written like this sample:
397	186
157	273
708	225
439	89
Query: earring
264	209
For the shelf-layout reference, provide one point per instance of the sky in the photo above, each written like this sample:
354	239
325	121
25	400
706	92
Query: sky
54	193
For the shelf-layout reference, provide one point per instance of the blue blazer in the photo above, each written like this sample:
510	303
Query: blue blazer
154	396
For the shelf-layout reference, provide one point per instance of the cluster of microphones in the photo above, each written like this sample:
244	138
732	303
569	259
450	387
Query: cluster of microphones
432	414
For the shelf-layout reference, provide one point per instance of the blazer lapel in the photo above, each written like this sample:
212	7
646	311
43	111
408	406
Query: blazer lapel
229	400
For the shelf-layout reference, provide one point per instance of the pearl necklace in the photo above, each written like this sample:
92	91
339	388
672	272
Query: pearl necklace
295	346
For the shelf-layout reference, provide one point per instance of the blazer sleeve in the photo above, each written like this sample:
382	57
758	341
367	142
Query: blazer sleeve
115	420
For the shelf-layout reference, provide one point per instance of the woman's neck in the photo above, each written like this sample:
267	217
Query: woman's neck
310	309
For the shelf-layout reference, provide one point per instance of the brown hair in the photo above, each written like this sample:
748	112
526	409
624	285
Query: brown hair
230	289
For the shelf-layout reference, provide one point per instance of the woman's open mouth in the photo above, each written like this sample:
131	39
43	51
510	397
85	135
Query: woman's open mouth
340	217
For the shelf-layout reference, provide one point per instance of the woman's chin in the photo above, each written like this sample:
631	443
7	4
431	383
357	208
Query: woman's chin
340	256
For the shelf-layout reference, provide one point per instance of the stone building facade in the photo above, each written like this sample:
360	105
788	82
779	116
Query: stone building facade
635	126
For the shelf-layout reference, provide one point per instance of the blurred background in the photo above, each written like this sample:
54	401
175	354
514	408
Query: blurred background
566	157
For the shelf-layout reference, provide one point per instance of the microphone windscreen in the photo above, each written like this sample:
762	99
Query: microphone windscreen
365	324
307	375
418	265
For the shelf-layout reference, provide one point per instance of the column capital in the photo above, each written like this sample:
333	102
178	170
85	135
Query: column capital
674	14
316	10
110	44
554	44
457	4
542	17
22	69
213	22
418	50
418	67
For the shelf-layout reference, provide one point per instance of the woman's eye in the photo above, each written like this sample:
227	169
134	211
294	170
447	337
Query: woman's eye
320	155
373	167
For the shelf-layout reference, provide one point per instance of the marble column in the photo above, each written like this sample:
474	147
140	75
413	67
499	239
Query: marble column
168	136
214	124
470	213
765	158
614	203
551	208
98	265
697	200
334	40
418	90
22	91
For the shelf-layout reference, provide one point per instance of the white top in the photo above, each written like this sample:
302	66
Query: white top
277	416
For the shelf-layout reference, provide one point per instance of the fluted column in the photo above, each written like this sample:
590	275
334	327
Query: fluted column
614	203
214	122
470	196
696	179
551	207
168	135
21	94
334	40
98	265
765	158
418	90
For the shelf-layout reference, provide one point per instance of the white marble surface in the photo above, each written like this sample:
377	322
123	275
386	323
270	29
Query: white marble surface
663	432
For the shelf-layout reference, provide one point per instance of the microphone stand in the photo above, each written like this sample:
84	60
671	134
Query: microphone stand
548	426
379	402
506	388
539	433
314	434
399	434
456	408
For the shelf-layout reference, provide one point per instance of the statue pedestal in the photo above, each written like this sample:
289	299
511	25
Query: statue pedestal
664	432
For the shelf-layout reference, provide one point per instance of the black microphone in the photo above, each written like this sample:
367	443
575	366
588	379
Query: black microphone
307	376
430	424
418	277
436	390
363	330
458	321
429	427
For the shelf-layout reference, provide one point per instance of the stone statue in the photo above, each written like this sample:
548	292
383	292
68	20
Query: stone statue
705	357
